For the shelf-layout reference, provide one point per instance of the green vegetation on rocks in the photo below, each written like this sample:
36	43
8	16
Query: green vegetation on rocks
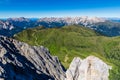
75	41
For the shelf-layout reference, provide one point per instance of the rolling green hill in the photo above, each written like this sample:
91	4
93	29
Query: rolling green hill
73	41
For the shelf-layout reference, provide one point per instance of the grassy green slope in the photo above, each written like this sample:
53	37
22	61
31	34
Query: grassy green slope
73	41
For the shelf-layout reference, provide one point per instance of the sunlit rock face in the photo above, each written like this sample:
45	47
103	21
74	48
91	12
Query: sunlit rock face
91	68
19	61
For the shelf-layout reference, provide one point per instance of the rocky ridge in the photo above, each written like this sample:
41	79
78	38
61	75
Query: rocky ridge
6	25
19	61
84	20
105	26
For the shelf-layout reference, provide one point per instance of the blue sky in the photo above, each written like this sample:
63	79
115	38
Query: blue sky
59	8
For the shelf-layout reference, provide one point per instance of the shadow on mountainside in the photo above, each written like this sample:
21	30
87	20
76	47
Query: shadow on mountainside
18	67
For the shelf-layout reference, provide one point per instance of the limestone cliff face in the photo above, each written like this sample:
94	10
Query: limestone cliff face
91	68
19	61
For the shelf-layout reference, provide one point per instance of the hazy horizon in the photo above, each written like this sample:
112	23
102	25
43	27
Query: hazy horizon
59	17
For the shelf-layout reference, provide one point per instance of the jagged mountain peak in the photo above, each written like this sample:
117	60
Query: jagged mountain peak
19	61
103	25
20	19
73	20
6	25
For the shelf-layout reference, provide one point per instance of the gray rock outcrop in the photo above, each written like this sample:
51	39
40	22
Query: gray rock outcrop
91	68
19	61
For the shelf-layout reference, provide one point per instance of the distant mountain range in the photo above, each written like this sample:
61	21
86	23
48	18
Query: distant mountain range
106	26
96	55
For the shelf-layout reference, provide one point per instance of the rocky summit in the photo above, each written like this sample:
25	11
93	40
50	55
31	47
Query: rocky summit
19	61
90	68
